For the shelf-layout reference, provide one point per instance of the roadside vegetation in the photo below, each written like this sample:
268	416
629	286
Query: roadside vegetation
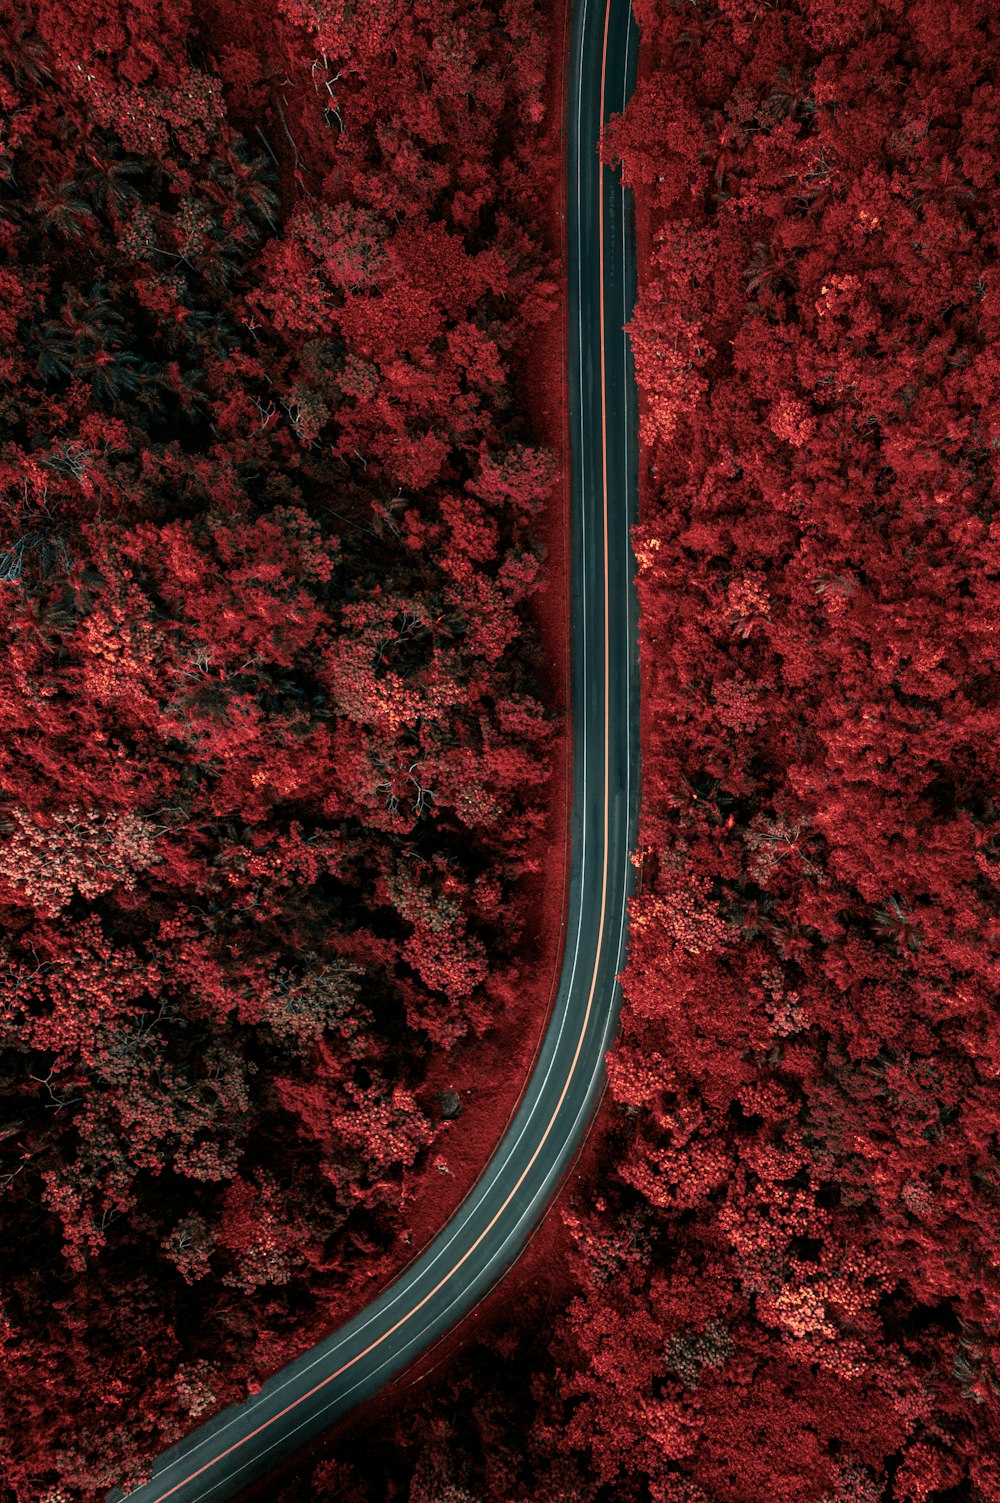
277	740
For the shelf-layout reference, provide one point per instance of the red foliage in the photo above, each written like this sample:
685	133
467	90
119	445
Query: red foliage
276	748
805	1299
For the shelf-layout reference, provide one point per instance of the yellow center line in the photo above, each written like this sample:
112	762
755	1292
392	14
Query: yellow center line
391	1330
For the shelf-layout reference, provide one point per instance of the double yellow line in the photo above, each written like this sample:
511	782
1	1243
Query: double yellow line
447	1277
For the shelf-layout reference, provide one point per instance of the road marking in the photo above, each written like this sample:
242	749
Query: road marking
509	1144
409	1314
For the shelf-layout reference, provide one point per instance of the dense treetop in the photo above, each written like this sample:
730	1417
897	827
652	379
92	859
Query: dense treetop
274	753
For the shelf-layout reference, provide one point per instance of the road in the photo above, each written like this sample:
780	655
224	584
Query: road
491	1227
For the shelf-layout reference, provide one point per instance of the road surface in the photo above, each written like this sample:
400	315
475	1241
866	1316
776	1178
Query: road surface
493	1224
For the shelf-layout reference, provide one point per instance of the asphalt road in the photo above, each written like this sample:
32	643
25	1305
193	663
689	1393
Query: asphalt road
493	1224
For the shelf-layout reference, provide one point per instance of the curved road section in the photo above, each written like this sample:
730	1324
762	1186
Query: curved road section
491	1227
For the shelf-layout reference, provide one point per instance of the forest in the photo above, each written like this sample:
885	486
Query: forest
279	728
781	1277
280	740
